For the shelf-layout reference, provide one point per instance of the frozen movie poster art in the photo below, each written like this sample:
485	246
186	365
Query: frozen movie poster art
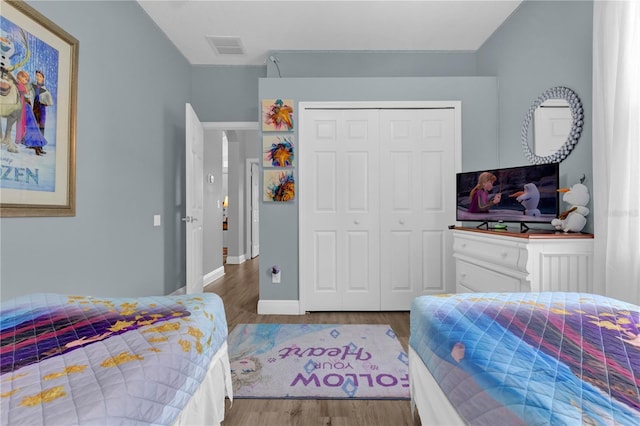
30	77
37	114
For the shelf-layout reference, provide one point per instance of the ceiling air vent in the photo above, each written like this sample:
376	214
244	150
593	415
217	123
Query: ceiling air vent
225	45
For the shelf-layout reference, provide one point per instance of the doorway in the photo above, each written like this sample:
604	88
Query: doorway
230	202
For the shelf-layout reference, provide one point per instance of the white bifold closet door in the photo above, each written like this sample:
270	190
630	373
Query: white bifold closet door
417	186
377	190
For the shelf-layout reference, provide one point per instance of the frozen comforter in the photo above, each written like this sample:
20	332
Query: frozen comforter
85	360
532	358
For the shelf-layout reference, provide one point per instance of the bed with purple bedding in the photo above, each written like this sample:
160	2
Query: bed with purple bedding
88	360
527	358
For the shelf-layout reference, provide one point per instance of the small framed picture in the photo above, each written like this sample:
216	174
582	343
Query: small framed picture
278	151
279	185
277	115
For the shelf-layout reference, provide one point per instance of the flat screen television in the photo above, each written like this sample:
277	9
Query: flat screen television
528	194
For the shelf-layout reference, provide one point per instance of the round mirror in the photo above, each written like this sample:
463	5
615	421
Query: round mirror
557	117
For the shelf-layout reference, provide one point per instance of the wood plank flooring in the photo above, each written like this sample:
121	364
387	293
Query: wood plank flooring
239	291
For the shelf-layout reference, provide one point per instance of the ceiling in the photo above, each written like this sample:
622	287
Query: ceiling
262	26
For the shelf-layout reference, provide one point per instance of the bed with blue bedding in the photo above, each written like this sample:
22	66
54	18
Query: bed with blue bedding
95	360
525	358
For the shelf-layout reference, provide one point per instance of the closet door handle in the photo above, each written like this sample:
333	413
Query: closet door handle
401	221
357	222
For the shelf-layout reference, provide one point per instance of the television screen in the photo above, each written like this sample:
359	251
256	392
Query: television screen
515	194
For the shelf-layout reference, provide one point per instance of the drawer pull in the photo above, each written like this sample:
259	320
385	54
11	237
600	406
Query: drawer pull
401	221
503	254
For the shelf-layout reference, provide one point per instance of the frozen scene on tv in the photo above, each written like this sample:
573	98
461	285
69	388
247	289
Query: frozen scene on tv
516	194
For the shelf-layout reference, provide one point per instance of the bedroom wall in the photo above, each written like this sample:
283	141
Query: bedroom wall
226	93
371	64
130	135
132	87
279	221
543	44
528	54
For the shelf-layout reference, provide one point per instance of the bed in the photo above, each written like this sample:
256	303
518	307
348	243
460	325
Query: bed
88	360
525	358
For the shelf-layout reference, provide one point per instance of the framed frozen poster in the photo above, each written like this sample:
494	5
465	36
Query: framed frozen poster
38	114
277	115
278	151
279	185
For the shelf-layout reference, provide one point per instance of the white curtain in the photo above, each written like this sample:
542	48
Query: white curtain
616	148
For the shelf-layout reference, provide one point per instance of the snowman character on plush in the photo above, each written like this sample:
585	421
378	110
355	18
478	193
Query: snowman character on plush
529	199
573	220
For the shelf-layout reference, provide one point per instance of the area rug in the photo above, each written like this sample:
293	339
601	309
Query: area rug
319	361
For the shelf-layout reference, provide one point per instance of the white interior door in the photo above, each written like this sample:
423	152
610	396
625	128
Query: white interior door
339	239
417	179
255	210
194	164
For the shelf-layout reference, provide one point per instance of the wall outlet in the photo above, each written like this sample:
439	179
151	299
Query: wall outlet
275	277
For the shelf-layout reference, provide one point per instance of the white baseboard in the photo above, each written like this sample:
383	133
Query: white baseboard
212	276
206	280
236	260
278	307
181	290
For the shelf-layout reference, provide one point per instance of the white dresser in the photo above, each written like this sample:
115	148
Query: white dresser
504	261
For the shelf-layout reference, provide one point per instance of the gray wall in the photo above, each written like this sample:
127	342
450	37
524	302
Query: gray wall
279	221
543	44
370	64
226	93
130	156
130	140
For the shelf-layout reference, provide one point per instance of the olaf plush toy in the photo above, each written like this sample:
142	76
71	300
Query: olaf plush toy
573	220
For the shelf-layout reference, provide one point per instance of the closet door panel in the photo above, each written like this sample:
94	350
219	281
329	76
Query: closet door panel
340	149
433	246
325	273
359	218
420	143
400	260
325	184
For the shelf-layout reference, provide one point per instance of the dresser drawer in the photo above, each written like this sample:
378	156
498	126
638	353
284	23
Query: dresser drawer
505	254
473	278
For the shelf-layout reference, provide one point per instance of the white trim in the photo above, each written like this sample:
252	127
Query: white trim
279	307
247	193
181	290
379	105
231	125
212	276
236	260
456	105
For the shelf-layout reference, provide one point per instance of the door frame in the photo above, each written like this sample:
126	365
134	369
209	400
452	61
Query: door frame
300	194
231	125
249	205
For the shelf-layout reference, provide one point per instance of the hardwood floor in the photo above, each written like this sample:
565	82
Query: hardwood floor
239	291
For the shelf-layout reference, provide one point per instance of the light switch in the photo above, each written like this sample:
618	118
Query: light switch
156	220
